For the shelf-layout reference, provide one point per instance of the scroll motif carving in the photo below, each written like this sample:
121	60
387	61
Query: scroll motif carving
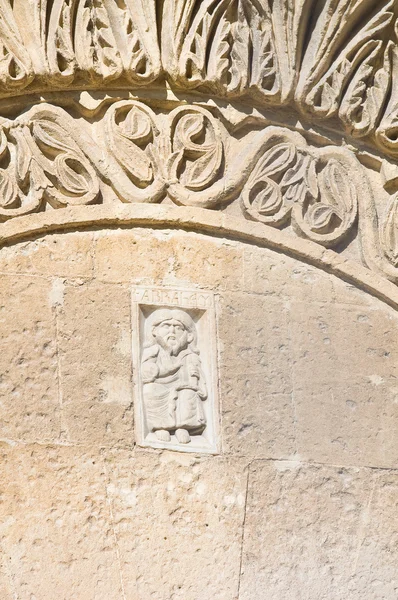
40	162
204	137
190	157
310	189
334	61
197	148
132	137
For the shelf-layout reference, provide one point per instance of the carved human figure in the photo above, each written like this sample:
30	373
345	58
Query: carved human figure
174	385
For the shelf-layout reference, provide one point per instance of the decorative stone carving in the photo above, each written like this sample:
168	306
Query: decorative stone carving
174	362
312	189
283	113
335	60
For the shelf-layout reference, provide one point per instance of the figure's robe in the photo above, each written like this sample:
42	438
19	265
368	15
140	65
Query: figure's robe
174	388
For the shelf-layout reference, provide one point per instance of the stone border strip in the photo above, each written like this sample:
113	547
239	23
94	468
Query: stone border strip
201	221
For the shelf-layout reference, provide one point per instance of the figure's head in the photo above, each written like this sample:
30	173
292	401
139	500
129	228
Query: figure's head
173	329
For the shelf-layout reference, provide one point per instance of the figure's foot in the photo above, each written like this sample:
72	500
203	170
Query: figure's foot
183	436
163	435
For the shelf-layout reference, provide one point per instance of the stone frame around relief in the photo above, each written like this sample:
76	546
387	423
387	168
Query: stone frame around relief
200	306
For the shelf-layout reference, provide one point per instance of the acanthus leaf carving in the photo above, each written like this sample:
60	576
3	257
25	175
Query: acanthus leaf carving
332	60
366	95
321	89
132	23
16	70
95	45
60	50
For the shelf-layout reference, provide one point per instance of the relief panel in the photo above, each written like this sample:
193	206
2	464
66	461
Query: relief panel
174	351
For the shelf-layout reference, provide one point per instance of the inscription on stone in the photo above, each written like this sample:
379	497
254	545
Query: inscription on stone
174	369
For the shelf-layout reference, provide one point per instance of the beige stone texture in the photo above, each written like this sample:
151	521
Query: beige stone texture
29	386
199	505
68	255
194	259
319	531
94	328
300	503
56	528
244	152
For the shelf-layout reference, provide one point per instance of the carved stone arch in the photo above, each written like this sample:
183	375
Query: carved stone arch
227	170
221	130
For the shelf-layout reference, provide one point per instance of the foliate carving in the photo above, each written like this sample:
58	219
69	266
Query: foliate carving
96	49
389	233
197	148
174	356
310	188
132	137
41	162
334	61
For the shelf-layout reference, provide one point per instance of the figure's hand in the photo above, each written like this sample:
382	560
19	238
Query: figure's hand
149	372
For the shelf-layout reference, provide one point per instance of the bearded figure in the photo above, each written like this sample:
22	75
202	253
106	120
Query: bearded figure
174	385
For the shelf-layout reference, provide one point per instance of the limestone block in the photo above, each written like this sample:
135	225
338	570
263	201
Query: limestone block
214	264
66	255
376	559
348	423
346	293
154	257
121	256
29	397
95	363
56	526
270	273
178	521
254	340
256	423
316	532
336	343
6	592
345	391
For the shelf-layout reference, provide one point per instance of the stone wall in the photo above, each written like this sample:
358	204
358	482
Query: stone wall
300	502
198	299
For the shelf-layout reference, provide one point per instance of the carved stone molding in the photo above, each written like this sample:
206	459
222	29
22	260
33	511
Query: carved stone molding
334	60
281	114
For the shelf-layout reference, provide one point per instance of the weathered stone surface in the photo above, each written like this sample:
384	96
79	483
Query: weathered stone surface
95	363
56	526
344	381
195	259
246	150
319	532
254	339
272	274
178	506
68	255
352	422
306	371
5	579
256	423
29	387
